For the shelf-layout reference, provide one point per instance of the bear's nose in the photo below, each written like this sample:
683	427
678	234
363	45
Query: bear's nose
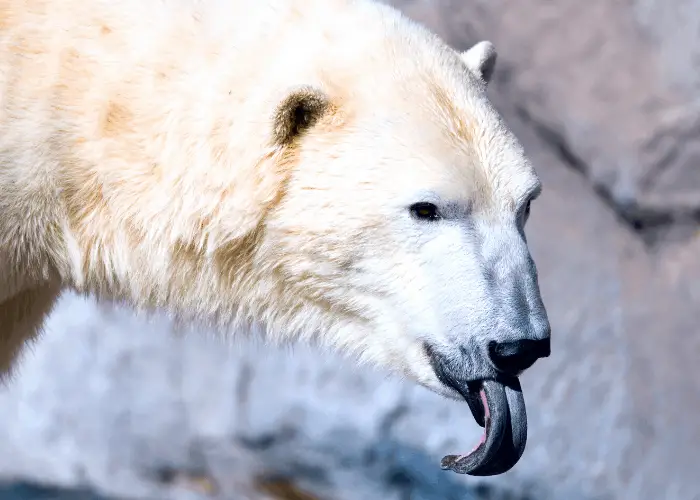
516	356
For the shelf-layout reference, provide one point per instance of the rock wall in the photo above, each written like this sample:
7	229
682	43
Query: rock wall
604	99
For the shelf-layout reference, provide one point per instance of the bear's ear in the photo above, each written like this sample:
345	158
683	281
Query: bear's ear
298	112
481	60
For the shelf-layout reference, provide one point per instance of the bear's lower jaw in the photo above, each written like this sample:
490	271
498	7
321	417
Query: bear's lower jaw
499	406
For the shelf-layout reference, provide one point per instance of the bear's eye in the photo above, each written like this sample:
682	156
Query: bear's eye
425	211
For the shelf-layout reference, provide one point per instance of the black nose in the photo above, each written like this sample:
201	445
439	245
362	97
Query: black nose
519	355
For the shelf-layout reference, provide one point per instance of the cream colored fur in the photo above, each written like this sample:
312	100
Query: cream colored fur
139	162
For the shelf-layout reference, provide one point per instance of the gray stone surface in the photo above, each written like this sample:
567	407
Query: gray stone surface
135	409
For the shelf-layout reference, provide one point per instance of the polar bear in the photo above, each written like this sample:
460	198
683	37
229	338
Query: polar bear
328	169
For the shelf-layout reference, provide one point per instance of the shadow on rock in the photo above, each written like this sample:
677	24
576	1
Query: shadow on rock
21	490
343	466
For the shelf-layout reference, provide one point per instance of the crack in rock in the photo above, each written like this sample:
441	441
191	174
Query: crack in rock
652	225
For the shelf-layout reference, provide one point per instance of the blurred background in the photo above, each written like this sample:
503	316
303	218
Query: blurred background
605	96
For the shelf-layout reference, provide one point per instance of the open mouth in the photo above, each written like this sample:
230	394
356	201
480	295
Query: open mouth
499	407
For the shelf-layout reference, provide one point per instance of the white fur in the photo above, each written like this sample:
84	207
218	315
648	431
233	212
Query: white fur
137	164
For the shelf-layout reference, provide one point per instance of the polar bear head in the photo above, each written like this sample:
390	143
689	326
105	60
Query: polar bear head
400	234
358	190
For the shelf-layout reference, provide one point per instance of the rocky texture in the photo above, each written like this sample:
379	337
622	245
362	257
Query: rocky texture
674	29
134	409
611	85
